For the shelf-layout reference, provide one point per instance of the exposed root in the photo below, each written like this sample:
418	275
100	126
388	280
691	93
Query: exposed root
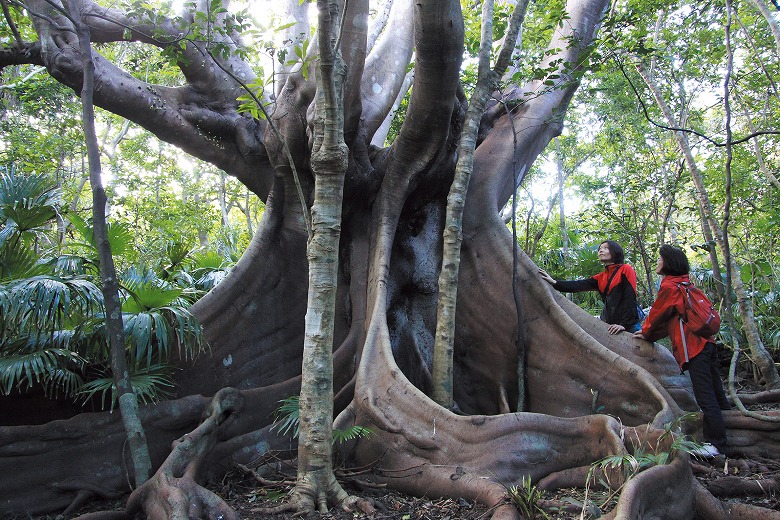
304	499
708	507
173	492
732	486
571	478
82	497
664	491
767	396
106	515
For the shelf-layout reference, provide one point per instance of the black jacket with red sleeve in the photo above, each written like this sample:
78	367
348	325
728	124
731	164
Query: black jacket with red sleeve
620	306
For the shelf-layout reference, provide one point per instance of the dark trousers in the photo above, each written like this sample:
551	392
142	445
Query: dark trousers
709	394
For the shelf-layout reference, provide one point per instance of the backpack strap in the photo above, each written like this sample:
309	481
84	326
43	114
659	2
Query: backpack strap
683	286
609	281
685	343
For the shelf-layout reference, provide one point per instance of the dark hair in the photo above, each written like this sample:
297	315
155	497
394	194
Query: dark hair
675	261
618	256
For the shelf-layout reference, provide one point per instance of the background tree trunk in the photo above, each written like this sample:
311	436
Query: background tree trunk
760	356
384	299
128	403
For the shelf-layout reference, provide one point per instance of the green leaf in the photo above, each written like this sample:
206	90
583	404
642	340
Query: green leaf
286	416
150	384
284	26
355	432
30	201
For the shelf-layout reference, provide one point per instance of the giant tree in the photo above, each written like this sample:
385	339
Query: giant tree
388	258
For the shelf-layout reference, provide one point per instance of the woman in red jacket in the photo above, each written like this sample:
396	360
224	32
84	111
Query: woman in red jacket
616	284
695	354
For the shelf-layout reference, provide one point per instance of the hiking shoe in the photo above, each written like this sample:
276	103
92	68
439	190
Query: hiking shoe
705	451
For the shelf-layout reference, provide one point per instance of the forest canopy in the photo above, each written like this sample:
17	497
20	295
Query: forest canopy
346	204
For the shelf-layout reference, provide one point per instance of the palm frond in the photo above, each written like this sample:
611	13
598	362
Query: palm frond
46	367
156	333
147	296
30	201
189	336
46	302
120	236
287	416
62	382
208	260
150	385
355	432
176	251
73	265
18	260
211	278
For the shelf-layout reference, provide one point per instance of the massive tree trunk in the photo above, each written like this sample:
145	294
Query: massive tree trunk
389	258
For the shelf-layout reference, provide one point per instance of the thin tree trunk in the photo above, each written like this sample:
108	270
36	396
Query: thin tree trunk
203	234
770	19
223	205
316	485
128	403
248	212
727	214
639	243
758	57
760	356
757	146
707	231
453	228
561	212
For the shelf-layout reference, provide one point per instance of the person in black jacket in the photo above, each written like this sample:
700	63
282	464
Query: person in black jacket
616	284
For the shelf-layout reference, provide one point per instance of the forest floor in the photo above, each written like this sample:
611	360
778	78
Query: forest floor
251	500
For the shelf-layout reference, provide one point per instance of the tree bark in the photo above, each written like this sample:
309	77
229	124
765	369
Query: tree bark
384	310
761	357
316	487
128	403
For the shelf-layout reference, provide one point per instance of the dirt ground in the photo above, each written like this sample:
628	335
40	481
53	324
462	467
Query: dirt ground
252	500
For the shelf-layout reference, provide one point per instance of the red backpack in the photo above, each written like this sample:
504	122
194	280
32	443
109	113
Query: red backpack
700	315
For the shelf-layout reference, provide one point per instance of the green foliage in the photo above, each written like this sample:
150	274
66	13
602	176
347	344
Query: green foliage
287	422
287	416
354	432
302	58
120	238
594	406
56	370
207	269
52	331
251	101
580	260
150	384
27	202
526	499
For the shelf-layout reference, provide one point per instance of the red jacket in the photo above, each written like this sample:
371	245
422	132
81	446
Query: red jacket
664	320
620	306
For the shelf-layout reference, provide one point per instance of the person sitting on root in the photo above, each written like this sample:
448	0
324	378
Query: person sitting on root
616	284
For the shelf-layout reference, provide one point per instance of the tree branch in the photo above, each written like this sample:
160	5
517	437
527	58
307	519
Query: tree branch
11	24
27	53
385	68
686	130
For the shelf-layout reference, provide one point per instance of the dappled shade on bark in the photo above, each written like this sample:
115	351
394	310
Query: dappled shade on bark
389	256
